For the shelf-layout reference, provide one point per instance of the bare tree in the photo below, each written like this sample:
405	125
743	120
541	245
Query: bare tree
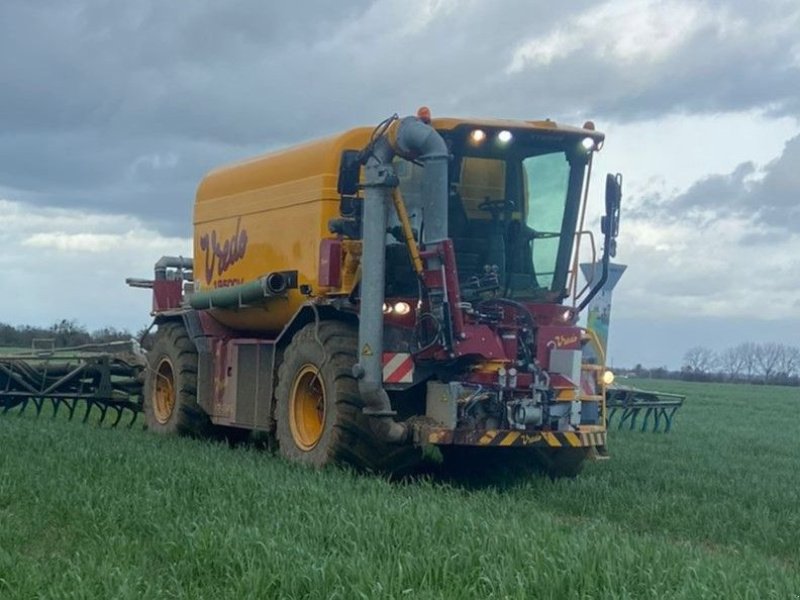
768	358
748	351
789	361
699	359
733	360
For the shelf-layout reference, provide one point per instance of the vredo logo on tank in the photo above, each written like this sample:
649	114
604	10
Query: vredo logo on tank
220	253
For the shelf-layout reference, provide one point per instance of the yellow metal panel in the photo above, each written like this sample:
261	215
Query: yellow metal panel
269	214
551	439
452	123
295	164
487	438
510	438
566	395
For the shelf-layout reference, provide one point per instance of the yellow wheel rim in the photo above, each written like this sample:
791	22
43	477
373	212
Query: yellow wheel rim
164	395
307	408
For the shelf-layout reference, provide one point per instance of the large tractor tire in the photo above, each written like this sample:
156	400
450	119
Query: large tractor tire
489	465
319	410
562	463
170	392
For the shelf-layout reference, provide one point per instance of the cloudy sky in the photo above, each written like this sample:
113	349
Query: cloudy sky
110	113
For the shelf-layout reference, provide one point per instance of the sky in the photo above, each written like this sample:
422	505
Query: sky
111	112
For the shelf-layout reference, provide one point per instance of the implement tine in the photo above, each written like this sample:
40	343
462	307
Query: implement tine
119	410
88	410
103	409
38	403
105	376
657	424
22	406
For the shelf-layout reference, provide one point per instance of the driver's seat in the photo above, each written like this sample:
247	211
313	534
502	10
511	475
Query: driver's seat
477	242
468	253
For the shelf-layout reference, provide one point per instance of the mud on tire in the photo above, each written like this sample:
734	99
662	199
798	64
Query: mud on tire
319	409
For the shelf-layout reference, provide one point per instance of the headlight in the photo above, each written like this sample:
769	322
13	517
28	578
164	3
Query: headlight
588	144
387	309
401	308
608	377
504	136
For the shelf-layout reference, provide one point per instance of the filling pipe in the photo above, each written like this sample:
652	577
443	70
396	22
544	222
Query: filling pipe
409	138
236	296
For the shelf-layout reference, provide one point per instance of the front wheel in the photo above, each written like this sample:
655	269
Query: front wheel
562	463
493	464
318	412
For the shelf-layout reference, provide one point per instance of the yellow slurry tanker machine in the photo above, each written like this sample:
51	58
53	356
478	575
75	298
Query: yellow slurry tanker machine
363	296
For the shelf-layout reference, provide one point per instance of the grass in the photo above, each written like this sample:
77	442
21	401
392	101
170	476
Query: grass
707	511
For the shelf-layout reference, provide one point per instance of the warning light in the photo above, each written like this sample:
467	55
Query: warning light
424	114
477	136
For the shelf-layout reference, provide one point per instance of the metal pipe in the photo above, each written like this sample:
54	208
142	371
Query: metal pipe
270	285
411	139
276	283
137	282
380	178
171	262
419	140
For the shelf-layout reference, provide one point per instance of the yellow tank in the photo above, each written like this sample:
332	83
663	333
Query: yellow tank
271	212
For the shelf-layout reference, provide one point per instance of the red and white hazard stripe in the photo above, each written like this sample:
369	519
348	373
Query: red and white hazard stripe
398	367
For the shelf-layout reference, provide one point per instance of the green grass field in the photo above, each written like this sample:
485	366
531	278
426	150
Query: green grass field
711	510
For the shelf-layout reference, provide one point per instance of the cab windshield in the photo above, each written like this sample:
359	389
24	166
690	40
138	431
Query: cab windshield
513	210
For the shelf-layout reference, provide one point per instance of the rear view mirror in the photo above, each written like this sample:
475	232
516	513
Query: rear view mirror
609	225
349	172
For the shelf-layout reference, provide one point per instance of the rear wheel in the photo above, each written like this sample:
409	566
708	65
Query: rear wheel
318	412
170	391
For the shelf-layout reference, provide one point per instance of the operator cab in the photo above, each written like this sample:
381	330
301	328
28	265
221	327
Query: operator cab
513	206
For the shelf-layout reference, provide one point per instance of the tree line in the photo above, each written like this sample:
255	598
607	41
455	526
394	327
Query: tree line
62	334
767	362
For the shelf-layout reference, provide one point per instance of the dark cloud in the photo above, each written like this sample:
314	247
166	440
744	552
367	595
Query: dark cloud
94	91
771	197
734	56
